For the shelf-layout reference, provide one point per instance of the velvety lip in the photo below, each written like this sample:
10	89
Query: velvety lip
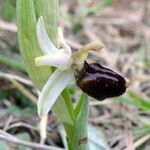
100	82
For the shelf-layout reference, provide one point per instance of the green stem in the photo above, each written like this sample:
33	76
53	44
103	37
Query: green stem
79	140
76	135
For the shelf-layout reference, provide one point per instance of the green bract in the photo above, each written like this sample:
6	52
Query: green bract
28	11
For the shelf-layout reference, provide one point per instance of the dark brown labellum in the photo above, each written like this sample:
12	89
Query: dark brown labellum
100	82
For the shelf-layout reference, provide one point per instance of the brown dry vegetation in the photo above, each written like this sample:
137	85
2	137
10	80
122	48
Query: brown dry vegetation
124	27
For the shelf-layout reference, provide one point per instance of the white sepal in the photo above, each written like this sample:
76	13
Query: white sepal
52	89
59	60
45	43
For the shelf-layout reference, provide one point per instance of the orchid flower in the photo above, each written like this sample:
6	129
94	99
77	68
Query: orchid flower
61	58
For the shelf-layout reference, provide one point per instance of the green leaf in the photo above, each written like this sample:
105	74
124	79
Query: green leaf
65	115
12	62
135	100
124	100
78	107
15	110
29	47
62	112
68	101
80	140
96	137
63	109
141	132
7	11
48	9
139	101
102	4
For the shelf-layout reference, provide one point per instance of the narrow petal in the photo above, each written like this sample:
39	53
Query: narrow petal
52	89
59	60
63	42
45	43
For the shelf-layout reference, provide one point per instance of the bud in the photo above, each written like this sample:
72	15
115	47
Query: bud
100	82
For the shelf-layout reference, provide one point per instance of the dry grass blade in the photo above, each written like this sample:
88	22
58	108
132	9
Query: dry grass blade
8	26
7	123
23	90
15	77
141	141
9	138
21	124
97	103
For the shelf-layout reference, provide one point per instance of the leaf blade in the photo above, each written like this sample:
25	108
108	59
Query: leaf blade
29	47
80	140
